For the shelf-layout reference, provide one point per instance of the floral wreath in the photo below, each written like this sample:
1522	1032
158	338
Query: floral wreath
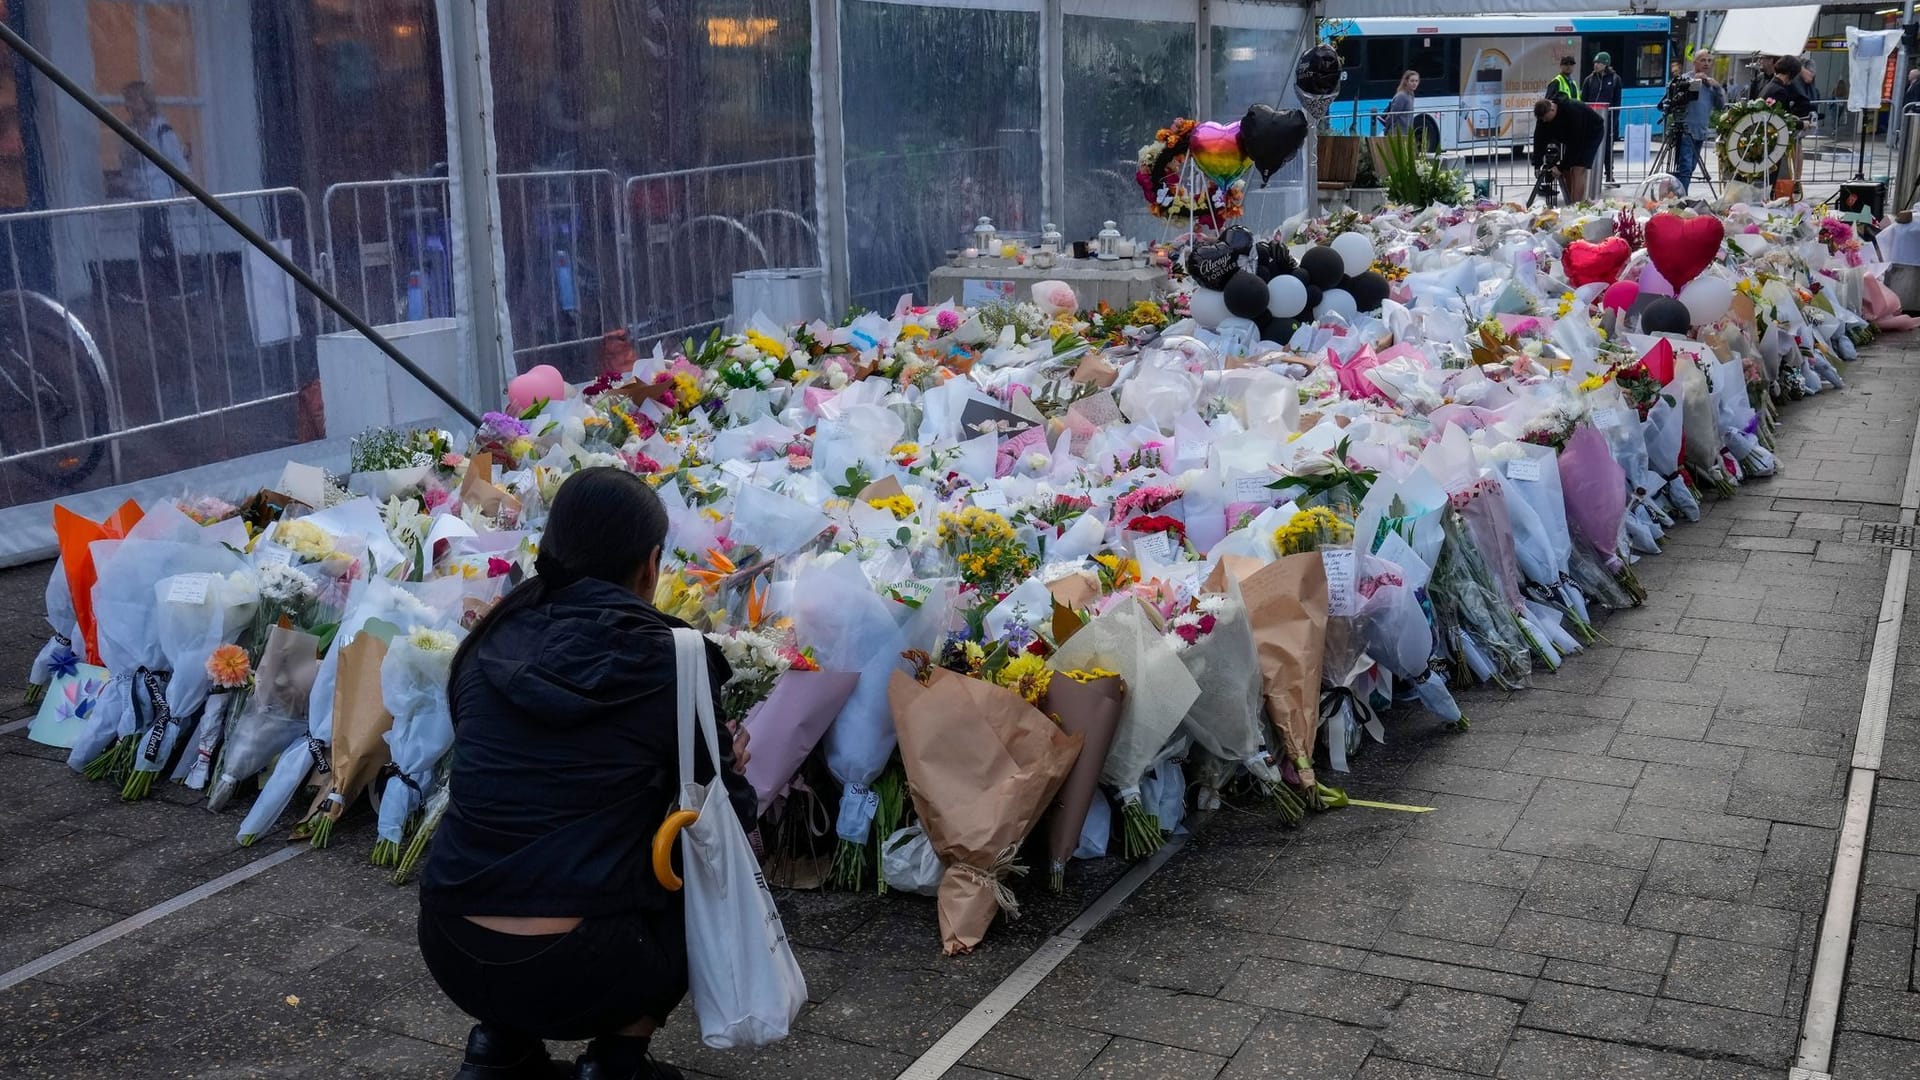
1748	147
1162	162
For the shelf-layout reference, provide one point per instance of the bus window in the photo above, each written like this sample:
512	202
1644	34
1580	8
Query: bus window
1429	57
1650	67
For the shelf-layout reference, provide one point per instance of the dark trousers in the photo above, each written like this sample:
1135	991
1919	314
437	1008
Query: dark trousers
607	974
158	258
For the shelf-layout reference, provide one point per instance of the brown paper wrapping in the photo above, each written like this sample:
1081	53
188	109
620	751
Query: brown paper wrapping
884	488
1090	710
1078	590
982	766
360	723
1287	605
478	490
1095	370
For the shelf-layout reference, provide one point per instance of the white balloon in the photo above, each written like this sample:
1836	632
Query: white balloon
1208	307
1355	250
1338	302
1286	296
1707	298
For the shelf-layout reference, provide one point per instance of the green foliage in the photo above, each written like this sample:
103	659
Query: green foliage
1415	178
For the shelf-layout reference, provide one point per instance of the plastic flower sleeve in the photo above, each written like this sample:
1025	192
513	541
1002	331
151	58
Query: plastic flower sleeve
413	686
851	628
274	716
61	618
1159	689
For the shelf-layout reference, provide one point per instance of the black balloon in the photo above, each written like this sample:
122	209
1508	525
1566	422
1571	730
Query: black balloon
1369	290
1318	72
1665	315
1246	295
1639	307
1314	293
1238	239
1212	264
1271	137
1324	266
1272	259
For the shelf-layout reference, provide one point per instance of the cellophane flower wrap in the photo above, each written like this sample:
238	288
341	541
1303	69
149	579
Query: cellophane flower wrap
414	688
982	766
1287	606
1125	640
1227	720
197	614
61	641
274	713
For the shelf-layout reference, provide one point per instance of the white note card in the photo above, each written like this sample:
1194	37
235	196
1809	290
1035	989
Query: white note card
1341	564
1523	469
188	589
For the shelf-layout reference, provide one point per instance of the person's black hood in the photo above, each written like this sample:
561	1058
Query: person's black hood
587	647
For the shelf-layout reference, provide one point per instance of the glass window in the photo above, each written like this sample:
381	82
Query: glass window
1125	79
1650	66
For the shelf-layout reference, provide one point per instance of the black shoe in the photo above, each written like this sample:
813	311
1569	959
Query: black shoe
493	1054
588	1068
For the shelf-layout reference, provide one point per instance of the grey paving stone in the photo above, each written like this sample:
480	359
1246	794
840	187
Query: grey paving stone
1682	787
1652	664
1654	748
1317	953
1460	912
1896	829
1574	802
1034	1049
1859	1055
1581	889
1386	1068
1723	920
1704	827
1574	737
1464	780
1893	1013
1458	953
1544	1055
1582	843
1881	956
1605	978
1588	1011
1804	893
1717	873
1800	848
1288	1047
1461	819
1451	1029
1888	904
1349	997
1725	630
1667	719
1473	979
1131	1059
1733	1070
1593	768
1729	974
1632	948
1427	860
1704	1029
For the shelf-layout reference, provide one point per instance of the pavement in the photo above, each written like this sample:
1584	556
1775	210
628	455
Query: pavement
1623	874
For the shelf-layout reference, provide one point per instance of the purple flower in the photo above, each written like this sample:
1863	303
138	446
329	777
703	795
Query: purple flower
507	426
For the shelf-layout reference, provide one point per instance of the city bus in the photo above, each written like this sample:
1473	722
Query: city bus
1480	74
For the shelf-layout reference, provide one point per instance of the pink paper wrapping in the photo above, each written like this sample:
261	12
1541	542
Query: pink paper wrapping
1595	488
1353	374
790	723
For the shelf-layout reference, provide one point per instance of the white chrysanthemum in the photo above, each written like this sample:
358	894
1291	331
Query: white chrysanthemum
427	639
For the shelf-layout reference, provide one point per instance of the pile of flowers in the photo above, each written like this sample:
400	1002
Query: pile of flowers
1121	556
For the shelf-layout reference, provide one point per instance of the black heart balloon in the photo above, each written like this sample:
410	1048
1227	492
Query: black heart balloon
1271	137
1212	264
1246	295
1318	72
1238	239
1324	265
1271	260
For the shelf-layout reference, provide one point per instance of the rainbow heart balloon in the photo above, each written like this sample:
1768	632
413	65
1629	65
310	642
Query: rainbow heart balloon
1216	150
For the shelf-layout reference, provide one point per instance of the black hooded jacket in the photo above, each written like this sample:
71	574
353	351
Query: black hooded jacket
565	761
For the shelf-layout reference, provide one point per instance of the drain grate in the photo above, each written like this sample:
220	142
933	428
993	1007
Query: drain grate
1881	534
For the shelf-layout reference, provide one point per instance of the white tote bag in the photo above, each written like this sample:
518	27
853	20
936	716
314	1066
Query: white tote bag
747	987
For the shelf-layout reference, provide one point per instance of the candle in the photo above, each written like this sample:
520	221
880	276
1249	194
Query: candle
1124	248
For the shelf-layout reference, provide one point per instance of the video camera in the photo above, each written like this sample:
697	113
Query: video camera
1681	92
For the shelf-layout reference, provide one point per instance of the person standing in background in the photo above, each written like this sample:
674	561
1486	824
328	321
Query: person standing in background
1697	121
1910	96
1399	116
1563	85
1602	88
1789	94
143	180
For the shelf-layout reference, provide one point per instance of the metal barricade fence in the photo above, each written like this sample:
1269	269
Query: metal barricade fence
145	337
392	258
688	231
906	211
563	236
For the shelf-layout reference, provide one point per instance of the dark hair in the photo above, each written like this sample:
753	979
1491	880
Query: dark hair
1787	65
605	524
1540	108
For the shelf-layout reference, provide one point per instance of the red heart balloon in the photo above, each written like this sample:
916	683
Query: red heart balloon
1682	247
1587	262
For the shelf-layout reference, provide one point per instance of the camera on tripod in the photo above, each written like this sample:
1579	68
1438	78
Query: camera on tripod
1546	179
1681	92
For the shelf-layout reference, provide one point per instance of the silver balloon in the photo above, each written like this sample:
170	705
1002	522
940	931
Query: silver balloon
1662	187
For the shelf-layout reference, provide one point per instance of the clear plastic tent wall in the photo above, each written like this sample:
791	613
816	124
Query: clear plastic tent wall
641	156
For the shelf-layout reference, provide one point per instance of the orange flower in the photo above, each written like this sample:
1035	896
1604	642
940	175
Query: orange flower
229	667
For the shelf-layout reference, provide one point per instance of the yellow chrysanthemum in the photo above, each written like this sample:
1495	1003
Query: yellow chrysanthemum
1026	675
